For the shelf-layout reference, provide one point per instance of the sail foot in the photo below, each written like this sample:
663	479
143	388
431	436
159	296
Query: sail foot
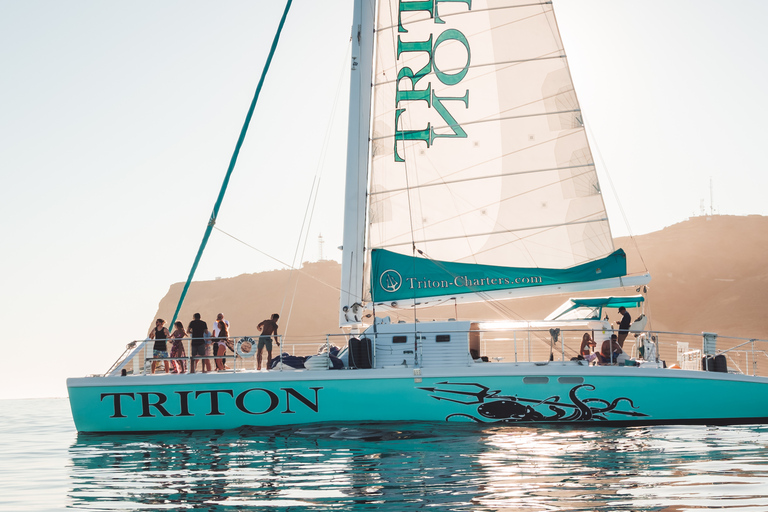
396	277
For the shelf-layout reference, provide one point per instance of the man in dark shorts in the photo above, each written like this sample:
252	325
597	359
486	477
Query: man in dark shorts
624	324
196	330
268	330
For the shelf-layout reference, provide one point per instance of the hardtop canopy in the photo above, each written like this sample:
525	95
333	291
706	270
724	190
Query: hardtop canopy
591	308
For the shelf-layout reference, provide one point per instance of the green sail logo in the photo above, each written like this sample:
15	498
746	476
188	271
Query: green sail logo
390	280
410	86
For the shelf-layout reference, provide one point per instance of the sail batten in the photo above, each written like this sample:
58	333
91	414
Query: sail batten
451	182
418	241
494	120
500	63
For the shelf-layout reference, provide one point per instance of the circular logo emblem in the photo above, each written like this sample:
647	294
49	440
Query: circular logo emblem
390	280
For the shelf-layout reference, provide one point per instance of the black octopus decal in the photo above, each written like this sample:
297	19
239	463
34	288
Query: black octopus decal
493	407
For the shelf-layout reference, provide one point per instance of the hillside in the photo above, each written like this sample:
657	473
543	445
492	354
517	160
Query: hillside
709	274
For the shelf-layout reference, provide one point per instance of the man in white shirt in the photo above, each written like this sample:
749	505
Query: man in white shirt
219	318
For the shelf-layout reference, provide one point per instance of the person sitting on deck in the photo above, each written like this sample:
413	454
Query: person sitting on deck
587	344
610	351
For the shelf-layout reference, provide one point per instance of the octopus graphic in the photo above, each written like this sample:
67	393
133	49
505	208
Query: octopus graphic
492	407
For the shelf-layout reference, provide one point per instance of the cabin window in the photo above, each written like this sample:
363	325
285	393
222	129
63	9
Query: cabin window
535	380
399	339
442	338
570	380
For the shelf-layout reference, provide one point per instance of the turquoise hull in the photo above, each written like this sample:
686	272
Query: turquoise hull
490	393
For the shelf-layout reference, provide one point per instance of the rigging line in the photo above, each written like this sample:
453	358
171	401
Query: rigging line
295	253
277	260
618	201
232	162
555	30
405	172
310	210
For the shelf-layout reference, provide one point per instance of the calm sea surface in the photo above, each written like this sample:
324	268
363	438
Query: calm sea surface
46	465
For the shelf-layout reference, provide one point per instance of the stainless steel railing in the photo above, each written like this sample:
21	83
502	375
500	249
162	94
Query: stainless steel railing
743	355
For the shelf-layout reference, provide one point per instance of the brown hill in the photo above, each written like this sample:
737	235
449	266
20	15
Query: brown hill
246	300
709	274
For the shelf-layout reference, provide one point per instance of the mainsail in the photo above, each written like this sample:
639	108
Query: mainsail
478	152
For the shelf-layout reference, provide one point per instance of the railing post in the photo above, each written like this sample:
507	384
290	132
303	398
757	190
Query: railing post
562	348
514	337
234	356
529	343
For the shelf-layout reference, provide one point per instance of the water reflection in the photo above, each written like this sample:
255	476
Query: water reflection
417	466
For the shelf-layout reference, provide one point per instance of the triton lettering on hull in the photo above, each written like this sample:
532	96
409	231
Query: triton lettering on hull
251	401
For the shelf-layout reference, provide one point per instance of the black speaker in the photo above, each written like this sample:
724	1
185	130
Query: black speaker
360	353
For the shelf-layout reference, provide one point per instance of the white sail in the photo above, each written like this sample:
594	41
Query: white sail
478	151
497	169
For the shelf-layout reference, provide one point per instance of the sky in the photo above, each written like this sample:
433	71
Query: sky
118	121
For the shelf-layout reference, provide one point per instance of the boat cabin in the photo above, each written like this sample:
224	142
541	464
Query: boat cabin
462	343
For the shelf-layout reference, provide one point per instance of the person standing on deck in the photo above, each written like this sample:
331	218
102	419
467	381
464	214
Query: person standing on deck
160	349
197	330
177	348
268	330
624	324
219	318
215	336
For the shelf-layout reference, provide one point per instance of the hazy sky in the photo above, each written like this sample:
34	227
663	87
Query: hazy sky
118	120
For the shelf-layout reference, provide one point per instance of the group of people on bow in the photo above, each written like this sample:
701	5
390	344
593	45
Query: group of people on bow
205	343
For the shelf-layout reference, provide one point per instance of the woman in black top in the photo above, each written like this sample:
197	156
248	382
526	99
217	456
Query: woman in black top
160	334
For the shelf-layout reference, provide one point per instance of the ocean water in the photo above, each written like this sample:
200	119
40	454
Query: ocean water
45	465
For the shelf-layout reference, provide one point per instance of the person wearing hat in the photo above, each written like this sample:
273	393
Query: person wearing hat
624	324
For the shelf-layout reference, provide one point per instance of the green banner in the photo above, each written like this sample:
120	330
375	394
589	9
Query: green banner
397	276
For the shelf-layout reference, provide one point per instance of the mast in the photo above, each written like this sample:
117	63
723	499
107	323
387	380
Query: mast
353	250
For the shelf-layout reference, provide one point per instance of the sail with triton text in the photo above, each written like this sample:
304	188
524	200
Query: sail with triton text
481	176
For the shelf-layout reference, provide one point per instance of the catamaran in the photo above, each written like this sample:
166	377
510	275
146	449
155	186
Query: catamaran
469	178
